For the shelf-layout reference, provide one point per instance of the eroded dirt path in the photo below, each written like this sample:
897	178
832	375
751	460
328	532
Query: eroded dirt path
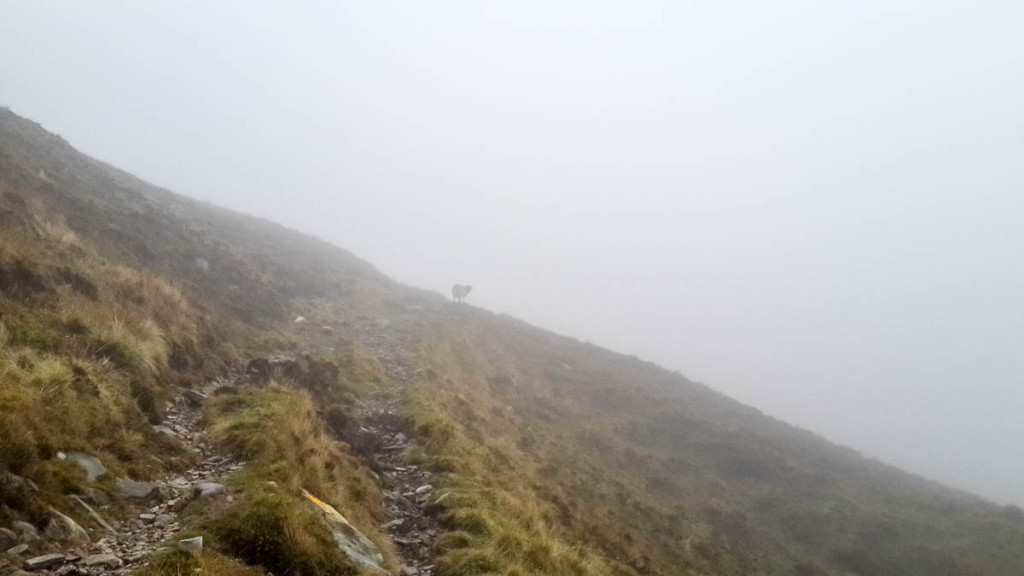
152	507
408	489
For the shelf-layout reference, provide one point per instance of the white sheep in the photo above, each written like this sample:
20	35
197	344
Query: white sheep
459	292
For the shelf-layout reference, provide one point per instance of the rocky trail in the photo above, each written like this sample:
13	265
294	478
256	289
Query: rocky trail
383	436
125	546
409	490
64	548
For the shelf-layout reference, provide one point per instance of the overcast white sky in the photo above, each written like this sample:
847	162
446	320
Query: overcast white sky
815	207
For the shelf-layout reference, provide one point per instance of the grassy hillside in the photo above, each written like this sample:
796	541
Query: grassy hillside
249	267
116	295
660	475
556	457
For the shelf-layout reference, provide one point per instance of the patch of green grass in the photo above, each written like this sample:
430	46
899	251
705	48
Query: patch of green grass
178	563
288	448
82	369
279	532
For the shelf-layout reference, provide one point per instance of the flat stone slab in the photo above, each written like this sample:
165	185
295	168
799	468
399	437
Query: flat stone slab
107	560
44	562
195	397
360	549
136	490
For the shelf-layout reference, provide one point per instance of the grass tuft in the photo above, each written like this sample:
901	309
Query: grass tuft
288	448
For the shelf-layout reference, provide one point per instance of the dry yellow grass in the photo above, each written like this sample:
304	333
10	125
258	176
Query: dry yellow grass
177	563
85	347
277	430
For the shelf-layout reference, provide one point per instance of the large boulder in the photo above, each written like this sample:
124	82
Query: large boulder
351	541
89	464
14	488
207	489
8	539
137	490
63	529
26	532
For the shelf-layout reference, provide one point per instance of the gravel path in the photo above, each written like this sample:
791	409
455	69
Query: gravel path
153	506
408	489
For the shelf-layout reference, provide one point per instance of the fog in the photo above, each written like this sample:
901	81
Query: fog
813	207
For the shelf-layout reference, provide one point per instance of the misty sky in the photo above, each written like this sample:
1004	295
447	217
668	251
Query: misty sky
815	207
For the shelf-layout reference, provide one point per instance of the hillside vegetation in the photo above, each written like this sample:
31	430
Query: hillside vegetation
554	442
552	456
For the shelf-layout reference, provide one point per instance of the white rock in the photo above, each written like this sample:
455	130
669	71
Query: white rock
45	561
108	560
193	546
207	489
90	464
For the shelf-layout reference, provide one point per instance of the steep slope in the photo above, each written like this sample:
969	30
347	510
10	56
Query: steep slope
550	456
663	475
250	267
115	296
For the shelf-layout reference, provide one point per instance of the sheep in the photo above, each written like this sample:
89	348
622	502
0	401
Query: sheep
459	292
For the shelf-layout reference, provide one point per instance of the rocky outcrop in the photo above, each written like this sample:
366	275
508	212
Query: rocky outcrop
89	464
108	561
351	541
133	490
8	539
63	529
14	488
26	532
